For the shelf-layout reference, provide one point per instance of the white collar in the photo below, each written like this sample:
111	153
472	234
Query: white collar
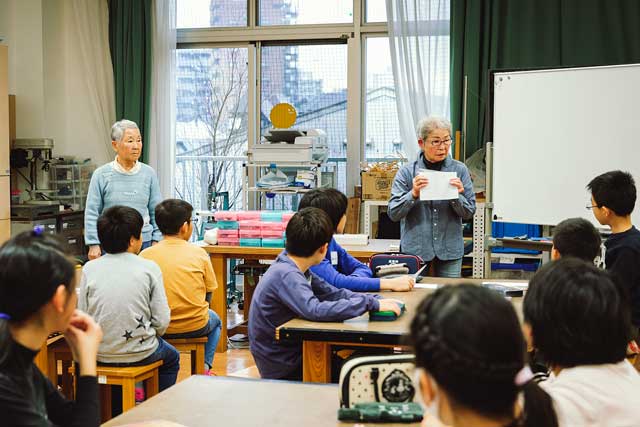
118	167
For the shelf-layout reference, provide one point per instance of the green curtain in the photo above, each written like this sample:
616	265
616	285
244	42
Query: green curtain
509	34
130	41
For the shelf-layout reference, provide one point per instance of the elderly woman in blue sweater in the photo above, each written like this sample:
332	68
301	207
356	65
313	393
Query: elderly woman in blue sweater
124	181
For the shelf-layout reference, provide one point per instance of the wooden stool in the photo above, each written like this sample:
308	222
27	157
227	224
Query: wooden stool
195	346
126	377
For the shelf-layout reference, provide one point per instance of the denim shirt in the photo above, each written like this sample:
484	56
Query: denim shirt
431	229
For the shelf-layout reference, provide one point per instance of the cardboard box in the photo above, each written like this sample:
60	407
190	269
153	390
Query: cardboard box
376	185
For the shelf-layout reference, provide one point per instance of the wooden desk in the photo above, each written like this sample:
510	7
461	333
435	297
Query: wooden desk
221	254
201	401
318	337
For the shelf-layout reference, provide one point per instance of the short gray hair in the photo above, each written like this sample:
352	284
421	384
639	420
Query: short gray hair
118	128
431	123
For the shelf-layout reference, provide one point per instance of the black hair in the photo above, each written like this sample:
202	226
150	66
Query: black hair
171	214
469	340
578	315
333	202
578	238
616	190
32	266
307	231
116	226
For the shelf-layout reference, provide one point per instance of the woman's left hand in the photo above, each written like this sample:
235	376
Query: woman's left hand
457	183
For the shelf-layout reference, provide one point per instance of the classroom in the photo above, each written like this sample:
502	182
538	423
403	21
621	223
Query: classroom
305	212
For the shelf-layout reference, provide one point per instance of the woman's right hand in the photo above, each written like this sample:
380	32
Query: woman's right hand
84	336
94	252
419	182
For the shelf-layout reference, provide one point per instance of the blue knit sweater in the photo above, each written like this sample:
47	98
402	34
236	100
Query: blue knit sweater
109	188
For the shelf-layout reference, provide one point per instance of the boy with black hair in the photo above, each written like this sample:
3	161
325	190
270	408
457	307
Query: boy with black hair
288	290
124	294
339	268
579	320
576	237
188	277
613	197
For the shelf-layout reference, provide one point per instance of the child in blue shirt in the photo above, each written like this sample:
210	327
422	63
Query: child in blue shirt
288	290
339	268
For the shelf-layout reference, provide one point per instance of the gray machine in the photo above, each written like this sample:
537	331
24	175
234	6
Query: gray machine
35	155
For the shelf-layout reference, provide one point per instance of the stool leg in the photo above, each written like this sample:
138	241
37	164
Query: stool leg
128	394
194	365
152	385
199	360
105	402
67	379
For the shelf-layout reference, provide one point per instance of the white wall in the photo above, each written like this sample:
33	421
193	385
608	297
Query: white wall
44	76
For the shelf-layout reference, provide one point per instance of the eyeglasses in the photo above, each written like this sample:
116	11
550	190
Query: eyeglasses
438	143
590	207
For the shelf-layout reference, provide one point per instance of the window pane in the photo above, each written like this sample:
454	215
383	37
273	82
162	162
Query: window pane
211	128
312	78
376	11
382	130
211	13
299	12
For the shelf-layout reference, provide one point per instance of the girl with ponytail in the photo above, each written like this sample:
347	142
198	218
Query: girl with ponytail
37	298
470	362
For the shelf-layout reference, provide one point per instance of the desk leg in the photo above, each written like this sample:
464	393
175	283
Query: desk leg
316	362
219	297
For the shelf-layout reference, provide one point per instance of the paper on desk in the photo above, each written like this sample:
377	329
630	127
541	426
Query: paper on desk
432	286
439	187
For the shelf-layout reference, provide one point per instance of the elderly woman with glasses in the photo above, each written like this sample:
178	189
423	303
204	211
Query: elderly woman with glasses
124	181
433	229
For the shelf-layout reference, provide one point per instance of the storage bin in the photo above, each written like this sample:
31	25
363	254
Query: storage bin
250	234
227	225
227	234
508	229
271	216
248	215
272	234
251	242
250	225
273	243
231	241
287	216
225	216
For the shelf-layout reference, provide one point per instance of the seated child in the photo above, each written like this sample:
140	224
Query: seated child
288	290
38	297
613	197
187	275
579	321
124	293
338	268
576	237
473	376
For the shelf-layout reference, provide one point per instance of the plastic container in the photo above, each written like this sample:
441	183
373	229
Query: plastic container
251	242
227	225
250	234
248	215
227	234
225	216
232	241
271	226
250	225
273	243
271	216
272	234
287	216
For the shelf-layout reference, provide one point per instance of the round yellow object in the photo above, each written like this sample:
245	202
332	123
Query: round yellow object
283	115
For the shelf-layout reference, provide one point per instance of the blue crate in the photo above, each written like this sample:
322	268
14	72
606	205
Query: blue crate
507	229
251	242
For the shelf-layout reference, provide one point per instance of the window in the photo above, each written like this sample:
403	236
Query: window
211	13
376	11
212	124
303	12
381	128
312	78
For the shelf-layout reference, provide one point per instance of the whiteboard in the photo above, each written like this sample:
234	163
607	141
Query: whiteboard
555	130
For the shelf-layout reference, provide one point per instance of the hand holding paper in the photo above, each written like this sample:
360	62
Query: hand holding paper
440	186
